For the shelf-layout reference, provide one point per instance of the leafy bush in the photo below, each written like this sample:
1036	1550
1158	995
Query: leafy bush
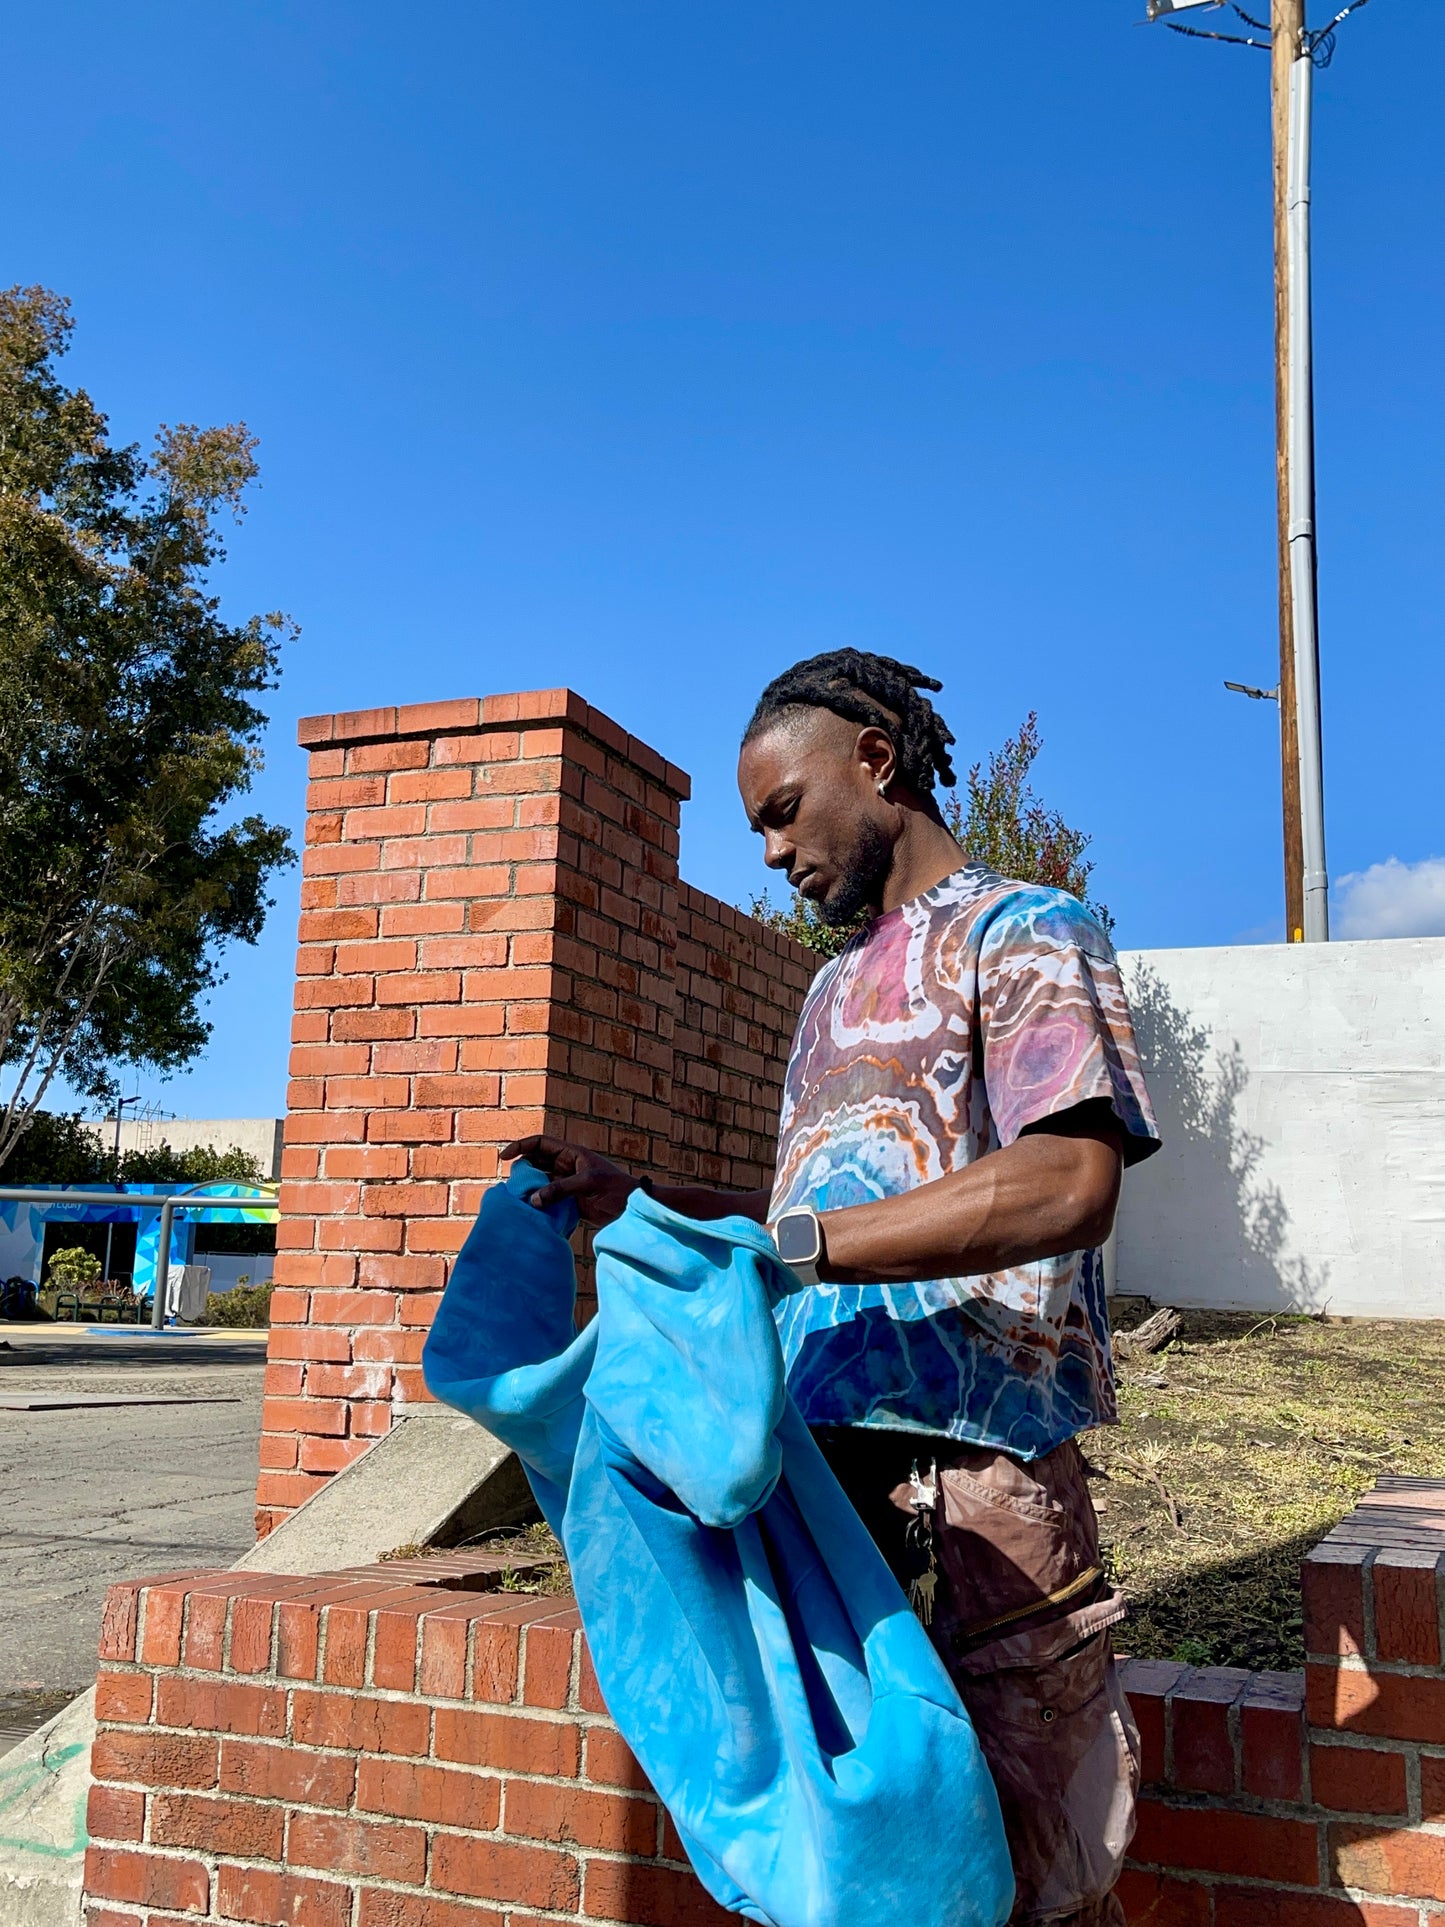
245	1306
201	1164
72	1269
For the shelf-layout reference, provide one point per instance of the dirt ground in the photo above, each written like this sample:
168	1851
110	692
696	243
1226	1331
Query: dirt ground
1239	1447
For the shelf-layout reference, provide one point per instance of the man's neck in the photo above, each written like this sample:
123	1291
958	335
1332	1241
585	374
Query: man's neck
923	856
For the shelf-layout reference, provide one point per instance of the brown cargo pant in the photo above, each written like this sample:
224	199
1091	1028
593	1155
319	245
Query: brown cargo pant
1021	1618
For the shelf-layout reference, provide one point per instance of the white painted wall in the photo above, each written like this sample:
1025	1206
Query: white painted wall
261	1136
1300	1090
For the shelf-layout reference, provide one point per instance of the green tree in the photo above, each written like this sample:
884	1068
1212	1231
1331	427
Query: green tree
803	922
1004	825
57	1148
1008	827
127	730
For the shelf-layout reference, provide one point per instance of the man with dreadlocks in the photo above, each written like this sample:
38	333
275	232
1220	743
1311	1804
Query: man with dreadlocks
962	1097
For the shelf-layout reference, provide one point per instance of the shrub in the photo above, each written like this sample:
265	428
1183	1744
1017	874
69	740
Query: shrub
244	1306
72	1269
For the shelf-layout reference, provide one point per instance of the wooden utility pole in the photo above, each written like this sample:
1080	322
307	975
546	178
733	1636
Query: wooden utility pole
1287	22
1292	54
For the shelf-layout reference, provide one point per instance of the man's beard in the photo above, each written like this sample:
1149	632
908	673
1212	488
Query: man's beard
861	883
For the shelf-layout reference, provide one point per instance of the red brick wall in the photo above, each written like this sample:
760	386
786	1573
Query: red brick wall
1315	1799
739	990
356	1751
359	1750
493	941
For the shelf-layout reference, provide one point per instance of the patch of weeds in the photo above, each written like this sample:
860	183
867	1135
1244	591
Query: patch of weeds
1239	1447
532	1542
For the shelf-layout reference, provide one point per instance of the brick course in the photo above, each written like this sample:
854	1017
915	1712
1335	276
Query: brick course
289	1799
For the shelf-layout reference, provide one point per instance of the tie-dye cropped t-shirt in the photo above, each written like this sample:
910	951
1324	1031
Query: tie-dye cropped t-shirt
940	1032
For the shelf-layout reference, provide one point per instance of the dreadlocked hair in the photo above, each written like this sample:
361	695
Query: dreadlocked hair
878	693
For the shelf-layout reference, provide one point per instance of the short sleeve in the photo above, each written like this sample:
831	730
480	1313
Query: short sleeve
1054	1019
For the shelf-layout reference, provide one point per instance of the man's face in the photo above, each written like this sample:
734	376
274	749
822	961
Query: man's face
809	785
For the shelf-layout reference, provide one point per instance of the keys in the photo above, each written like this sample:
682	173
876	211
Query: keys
920	1593
923	1497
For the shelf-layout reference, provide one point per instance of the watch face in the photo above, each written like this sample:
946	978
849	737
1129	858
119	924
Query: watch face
798	1238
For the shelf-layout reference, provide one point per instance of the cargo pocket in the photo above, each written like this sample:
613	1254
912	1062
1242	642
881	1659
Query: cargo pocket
1055	1728
1015	1538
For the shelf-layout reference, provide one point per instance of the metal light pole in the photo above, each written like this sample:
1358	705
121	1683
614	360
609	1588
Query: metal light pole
120	1104
1295	51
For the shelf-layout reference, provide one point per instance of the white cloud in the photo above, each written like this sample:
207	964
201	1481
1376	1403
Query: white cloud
1392	899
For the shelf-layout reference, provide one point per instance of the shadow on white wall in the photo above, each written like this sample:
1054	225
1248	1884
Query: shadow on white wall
1212	1159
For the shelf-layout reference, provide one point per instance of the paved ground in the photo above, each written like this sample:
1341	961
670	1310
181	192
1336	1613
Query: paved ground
103	1492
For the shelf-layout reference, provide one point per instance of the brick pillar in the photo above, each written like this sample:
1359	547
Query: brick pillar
488	934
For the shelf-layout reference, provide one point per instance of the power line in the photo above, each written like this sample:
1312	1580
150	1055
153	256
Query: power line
1319	44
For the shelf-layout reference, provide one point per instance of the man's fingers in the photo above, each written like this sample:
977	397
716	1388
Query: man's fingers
554	1192
598	1202
536	1150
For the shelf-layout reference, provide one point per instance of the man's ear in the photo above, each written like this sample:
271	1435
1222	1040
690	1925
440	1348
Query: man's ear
875	752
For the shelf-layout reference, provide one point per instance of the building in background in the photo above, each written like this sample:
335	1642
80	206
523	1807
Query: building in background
31	1233
258	1137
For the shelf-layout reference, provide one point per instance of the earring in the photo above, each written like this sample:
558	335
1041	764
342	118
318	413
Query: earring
882	789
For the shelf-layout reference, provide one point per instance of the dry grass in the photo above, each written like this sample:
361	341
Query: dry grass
536	1541
1239	1447
541	1564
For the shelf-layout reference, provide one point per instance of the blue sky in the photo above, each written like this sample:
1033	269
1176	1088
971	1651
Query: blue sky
647	347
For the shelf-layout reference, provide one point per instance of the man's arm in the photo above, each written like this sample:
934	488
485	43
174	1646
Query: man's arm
1054	1190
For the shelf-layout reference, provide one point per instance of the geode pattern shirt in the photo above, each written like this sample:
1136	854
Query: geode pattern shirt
940	1032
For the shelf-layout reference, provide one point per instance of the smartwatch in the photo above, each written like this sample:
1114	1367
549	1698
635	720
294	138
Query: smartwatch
799	1238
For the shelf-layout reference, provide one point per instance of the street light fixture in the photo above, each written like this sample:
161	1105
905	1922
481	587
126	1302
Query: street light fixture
1259	695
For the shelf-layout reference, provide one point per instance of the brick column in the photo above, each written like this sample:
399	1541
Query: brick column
488	928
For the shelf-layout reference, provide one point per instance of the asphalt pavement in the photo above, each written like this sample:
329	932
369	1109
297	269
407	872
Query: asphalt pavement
96	1491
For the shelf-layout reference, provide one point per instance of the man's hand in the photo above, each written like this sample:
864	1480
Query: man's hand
600	1187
